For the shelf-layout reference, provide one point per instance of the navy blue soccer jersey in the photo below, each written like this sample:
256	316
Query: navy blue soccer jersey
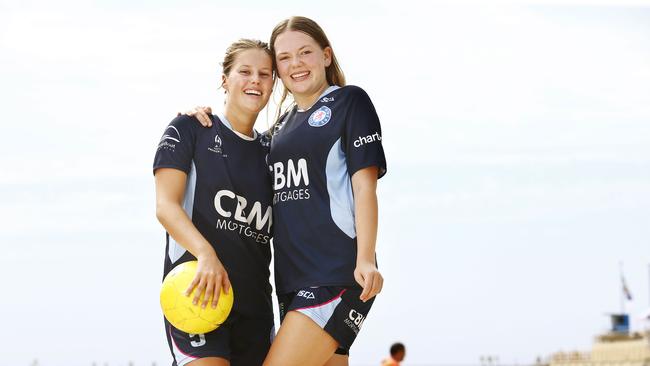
314	154
228	198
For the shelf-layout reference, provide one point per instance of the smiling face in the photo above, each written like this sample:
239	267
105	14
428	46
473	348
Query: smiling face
249	81
301	64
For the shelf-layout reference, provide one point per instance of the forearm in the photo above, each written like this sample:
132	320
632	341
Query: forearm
366	213
364	187
174	219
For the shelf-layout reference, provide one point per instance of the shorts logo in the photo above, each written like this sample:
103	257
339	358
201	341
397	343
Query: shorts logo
217	145
306	294
356	317
355	321
320	117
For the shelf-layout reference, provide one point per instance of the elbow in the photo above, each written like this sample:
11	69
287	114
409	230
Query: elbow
365	193
162	211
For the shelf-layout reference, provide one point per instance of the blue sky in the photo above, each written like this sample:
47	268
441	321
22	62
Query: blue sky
518	144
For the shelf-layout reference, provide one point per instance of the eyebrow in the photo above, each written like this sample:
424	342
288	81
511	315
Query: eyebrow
299	49
263	68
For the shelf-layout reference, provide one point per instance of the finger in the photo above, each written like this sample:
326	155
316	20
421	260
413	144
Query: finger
192	285
226	285
203	118
217	292
372	290
367	287
208	110
376	286
381	283
359	278
208	293
199	290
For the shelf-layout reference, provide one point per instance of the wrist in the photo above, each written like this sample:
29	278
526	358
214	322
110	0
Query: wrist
365	261
206	253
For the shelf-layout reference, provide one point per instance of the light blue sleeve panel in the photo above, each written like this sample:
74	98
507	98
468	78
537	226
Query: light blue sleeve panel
339	188
176	250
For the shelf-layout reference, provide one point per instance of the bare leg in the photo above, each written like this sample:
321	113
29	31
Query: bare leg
209	361
337	360
300	342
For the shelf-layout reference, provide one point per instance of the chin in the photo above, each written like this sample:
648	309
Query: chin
254	109
301	89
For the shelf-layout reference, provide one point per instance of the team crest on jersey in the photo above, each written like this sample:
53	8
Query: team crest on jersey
217	145
320	117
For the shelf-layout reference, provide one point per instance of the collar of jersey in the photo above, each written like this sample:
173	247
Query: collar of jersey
330	89
225	121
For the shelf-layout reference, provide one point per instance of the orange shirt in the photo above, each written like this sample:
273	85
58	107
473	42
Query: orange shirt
389	362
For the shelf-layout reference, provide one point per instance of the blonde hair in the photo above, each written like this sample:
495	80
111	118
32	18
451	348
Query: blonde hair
238	47
333	73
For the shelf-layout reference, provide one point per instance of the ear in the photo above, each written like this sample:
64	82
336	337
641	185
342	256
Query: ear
224	85
327	52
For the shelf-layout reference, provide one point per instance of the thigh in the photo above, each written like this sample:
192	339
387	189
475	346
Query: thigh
250	340
209	361
345	322
209	349
337	310
300	342
337	360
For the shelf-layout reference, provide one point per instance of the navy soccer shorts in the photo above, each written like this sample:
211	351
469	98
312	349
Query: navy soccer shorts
243	340
337	310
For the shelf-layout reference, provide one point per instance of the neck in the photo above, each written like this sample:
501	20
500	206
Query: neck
241	121
305	102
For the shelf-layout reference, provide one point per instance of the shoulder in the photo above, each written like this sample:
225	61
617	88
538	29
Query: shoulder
185	123
277	126
353	91
355	96
185	118
356	99
190	126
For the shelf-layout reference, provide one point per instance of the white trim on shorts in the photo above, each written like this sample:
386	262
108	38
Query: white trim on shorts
181	357
322	313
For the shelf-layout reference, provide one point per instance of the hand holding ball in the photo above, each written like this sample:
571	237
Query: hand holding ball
178	308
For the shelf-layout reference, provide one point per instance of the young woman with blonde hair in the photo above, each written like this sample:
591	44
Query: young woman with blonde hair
213	196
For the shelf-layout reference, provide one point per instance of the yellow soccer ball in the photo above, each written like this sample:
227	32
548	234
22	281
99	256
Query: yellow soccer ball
178	308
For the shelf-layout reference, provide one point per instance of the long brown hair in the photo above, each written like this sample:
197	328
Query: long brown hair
333	73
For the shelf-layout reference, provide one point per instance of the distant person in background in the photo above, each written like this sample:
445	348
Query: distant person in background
397	353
